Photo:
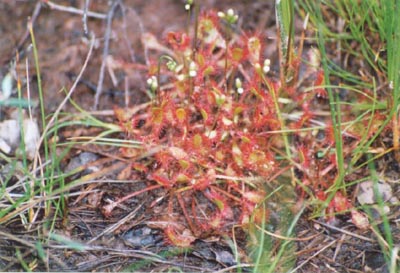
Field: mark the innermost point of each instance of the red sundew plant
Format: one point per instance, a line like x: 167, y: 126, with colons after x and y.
x: 205, y: 135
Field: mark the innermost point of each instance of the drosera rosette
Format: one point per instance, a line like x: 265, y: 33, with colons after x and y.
x: 204, y: 133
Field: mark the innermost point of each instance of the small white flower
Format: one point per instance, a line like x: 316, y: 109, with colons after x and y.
x: 221, y: 14
x: 192, y: 73
x: 180, y: 77
x: 266, y: 67
x: 212, y: 134
x: 152, y: 83
x: 230, y: 12
x: 238, y: 84
x: 188, y: 4
x: 192, y: 69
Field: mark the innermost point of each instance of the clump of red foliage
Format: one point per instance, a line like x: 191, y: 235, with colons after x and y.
x: 205, y: 133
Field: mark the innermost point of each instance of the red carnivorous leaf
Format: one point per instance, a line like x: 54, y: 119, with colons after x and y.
x: 179, y: 41
x: 161, y: 179
x: 340, y: 203
x: 179, y: 238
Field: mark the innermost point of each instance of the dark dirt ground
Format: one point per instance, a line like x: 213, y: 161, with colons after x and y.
x: 129, y: 236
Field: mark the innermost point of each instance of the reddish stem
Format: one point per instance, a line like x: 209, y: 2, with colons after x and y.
x: 190, y: 223
x: 133, y: 194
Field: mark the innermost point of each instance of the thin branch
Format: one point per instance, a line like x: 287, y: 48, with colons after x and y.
x: 125, y: 28
x: 107, y: 35
x: 84, y: 18
x: 313, y: 256
x: 34, y: 16
x: 75, y: 10
x: 115, y: 226
x: 281, y: 237
x: 344, y: 231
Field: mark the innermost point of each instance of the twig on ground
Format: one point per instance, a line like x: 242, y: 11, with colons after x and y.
x: 344, y: 231
x: 75, y: 10
x: 116, y: 225
x: 285, y: 237
x: 84, y: 18
x: 312, y: 257
x: 125, y: 27
x: 339, y: 246
x: 229, y: 269
x: 35, y: 14
x: 146, y: 256
x: 107, y: 35
x: 14, y: 238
